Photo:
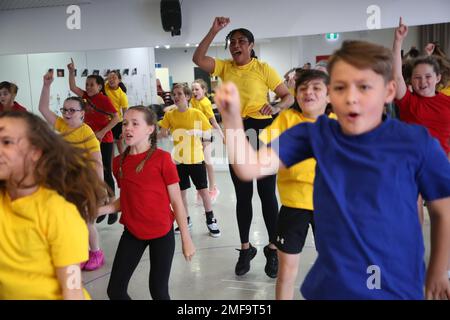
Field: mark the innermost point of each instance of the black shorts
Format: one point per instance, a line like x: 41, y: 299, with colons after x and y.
x: 117, y: 131
x: 292, y: 229
x: 196, y: 171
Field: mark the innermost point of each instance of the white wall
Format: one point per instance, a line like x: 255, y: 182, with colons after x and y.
x: 317, y: 45
x: 27, y: 72
x: 107, y: 24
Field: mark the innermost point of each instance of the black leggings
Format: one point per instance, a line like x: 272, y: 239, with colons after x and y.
x: 107, y: 153
x: 265, y: 186
x: 128, y: 255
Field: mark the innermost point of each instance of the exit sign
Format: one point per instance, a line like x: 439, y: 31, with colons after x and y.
x: 332, y: 36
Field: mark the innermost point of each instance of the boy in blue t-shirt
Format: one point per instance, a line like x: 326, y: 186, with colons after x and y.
x: 369, y: 173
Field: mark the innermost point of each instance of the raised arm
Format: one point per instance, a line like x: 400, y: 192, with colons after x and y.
x: 181, y: 218
x: 44, y: 101
x: 437, y: 284
x: 72, y: 83
x: 400, y: 34
x: 247, y: 163
x: 200, y: 58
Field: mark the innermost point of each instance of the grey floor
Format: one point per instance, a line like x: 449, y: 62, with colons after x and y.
x: 210, y: 275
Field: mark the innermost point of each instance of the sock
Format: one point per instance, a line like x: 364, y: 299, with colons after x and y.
x: 209, y: 217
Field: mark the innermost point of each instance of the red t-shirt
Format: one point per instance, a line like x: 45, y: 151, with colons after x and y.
x: 97, y: 118
x: 431, y: 112
x: 15, y: 107
x: 144, y: 199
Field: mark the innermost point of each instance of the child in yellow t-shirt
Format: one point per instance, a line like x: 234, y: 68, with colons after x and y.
x: 187, y: 125
x: 295, y: 185
x: 120, y: 101
x: 75, y: 131
x: 46, y: 190
x: 201, y: 102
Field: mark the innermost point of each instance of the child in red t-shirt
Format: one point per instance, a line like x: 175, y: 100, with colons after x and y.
x: 149, y: 189
x: 101, y: 116
x: 424, y: 106
x: 8, y: 92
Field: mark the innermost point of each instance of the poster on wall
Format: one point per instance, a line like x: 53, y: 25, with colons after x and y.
x: 84, y: 73
x: 125, y: 72
x: 134, y: 72
x: 96, y: 72
x: 320, y: 58
x: 60, y: 73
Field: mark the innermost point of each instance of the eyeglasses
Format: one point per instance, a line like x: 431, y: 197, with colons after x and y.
x: 69, y: 111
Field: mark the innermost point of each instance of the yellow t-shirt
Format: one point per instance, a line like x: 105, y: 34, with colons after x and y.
x: 204, y: 105
x: 254, y: 80
x: 445, y: 91
x: 38, y: 233
x: 81, y: 137
x: 188, y: 148
x: 119, y: 99
x: 295, y: 185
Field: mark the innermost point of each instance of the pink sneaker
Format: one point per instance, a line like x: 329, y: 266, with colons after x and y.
x: 214, y: 194
x: 83, y: 264
x: 96, y: 260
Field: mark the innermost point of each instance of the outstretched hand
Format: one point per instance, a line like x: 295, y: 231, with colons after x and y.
x: 401, y: 31
x: 220, y: 23
x: 48, y: 78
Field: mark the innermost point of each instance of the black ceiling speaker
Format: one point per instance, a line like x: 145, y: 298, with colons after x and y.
x: 171, y: 16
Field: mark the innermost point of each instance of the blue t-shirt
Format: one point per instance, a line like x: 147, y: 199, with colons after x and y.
x: 365, y: 206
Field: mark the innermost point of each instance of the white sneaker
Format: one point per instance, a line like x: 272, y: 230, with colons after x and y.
x: 213, y: 228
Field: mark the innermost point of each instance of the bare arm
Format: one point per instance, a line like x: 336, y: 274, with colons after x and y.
x: 44, y: 101
x: 101, y: 133
x: 181, y: 218
x: 286, y: 101
x: 216, y: 126
x: 163, y: 133
x: 200, y: 58
x: 97, y: 157
x: 72, y: 83
x: 400, y: 34
x: 247, y: 163
x: 69, y: 279
x: 437, y: 284
x: 109, y: 208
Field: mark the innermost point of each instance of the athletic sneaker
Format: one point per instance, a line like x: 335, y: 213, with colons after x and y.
x: 96, y: 260
x: 214, y: 194
x: 177, y: 229
x: 245, y: 256
x: 82, y: 265
x: 271, y: 267
x: 213, y: 228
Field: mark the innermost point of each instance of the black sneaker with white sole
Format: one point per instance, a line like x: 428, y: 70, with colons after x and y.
x: 213, y: 228
x: 177, y: 229
x: 245, y: 256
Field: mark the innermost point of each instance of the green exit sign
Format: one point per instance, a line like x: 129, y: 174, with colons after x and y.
x: 332, y: 36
